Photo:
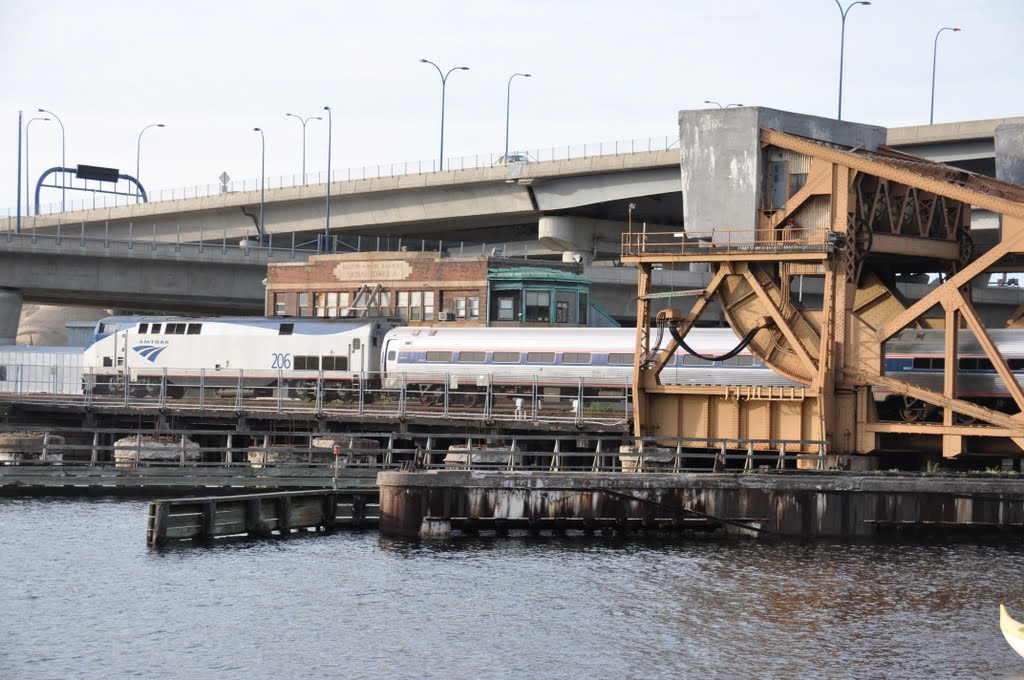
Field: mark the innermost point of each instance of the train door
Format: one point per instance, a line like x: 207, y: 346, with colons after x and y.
x: 356, y: 356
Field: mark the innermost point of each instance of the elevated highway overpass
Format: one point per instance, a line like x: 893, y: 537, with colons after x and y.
x: 574, y: 207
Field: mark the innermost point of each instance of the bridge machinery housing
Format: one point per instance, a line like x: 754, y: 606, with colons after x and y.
x: 775, y: 202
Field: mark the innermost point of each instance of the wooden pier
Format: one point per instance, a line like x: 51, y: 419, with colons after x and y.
x: 259, y: 515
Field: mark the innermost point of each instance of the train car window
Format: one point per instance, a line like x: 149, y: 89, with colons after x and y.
x: 391, y: 355
x: 620, y: 359
x: 975, y: 365
x: 506, y: 357
x: 1016, y: 364
x: 576, y: 358
x: 305, y: 363
x: 286, y: 329
x: 155, y: 328
x: 334, y: 363
x: 928, y: 363
x: 175, y: 329
x: 194, y: 329
x: 107, y: 362
x: 540, y: 357
x: 472, y: 357
x: 445, y: 357
x: 143, y: 328
x: 690, y: 360
x: 3, y: 373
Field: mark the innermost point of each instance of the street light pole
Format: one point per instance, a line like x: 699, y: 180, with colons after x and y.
x: 327, y: 224
x: 709, y: 101
x: 263, y: 176
x: 138, y: 156
x: 304, y: 121
x: 444, y: 81
x: 935, y: 51
x: 508, y: 98
x: 63, y: 162
x: 28, y: 177
x: 842, y: 46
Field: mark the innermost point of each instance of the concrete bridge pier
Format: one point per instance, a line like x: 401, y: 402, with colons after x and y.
x: 580, y: 239
x: 10, y: 314
x: 1009, y: 142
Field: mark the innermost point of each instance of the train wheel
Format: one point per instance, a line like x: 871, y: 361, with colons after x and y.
x: 912, y: 411
x: 471, y: 399
x: 429, y: 395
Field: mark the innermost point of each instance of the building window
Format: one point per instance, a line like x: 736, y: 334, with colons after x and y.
x: 319, y: 304
x: 279, y: 304
x: 428, y: 305
x: 564, y: 307
x: 583, y: 310
x: 506, y: 309
x: 303, y: 304
x: 538, y: 305
x: 466, y: 308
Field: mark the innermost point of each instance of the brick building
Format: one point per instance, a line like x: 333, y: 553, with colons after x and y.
x: 430, y: 288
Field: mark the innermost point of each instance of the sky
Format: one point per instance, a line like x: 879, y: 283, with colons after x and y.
x: 601, y: 71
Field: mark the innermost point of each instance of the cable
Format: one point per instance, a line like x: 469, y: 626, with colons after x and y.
x: 722, y: 357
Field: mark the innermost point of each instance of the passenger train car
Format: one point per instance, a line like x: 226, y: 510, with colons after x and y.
x: 225, y: 351
x: 559, y: 360
x: 918, y: 357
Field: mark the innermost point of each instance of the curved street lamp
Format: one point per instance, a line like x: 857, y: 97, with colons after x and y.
x: 508, y: 97
x: 842, y: 45
x: 709, y: 101
x: 138, y: 155
x: 303, y: 121
x: 28, y: 177
x: 935, y: 51
x: 263, y: 176
x: 444, y: 81
x: 63, y: 162
x: 327, y: 224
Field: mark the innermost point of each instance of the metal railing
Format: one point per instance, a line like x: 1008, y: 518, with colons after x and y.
x: 335, y: 452
x: 509, y: 397
x: 377, y: 171
x: 729, y: 241
x: 148, y: 240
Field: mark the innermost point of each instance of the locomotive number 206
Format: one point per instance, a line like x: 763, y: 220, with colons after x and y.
x: 280, y: 360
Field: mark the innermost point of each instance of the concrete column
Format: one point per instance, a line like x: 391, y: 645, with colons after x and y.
x: 724, y: 169
x: 580, y: 237
x: 10, y: 313
x: 1009, y: 141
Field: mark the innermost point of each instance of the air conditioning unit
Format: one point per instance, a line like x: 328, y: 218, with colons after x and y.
x: 446, y: 316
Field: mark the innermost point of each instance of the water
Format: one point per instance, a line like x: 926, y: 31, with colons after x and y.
x: 82, y: 597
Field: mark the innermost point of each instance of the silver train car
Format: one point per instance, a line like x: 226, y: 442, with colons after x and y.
x: 558, y: 360
x: 918, y: 357
x: 147, y: 352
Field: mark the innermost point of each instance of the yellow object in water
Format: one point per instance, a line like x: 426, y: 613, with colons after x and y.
x: 1013, y: 630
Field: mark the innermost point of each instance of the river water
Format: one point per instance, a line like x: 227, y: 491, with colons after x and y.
x: 83, y: 597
